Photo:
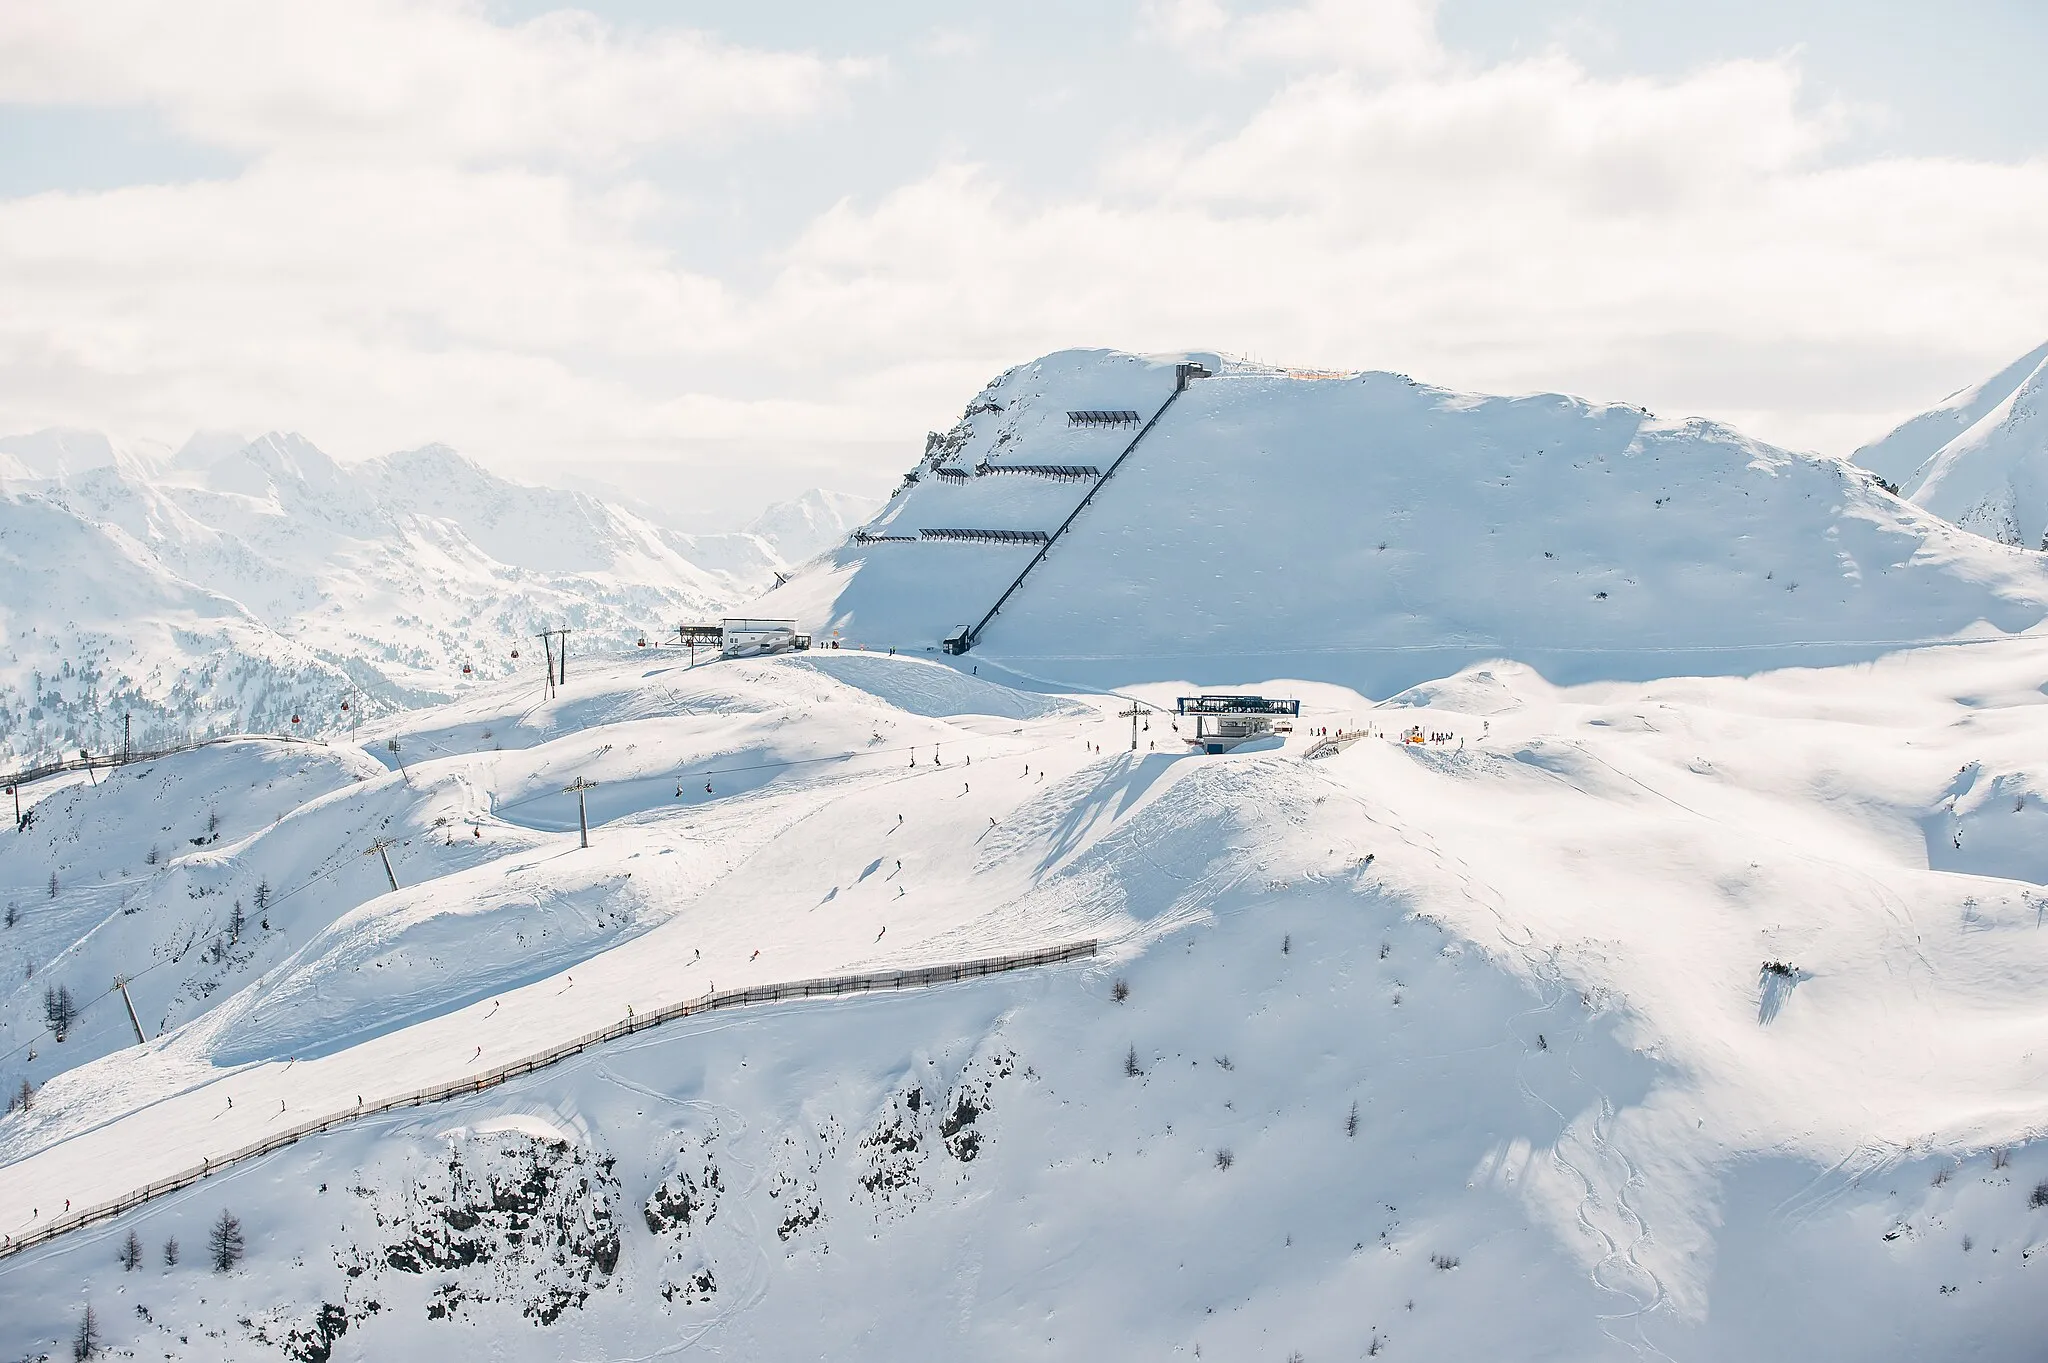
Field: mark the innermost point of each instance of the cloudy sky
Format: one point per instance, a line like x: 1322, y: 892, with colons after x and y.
x: 717, y: 253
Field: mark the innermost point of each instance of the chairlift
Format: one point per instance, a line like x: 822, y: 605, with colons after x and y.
x: 344, y: 706
x: 643, y: 641
x: 515, y: 654
x: 295, y: 719
x: 465, y: 669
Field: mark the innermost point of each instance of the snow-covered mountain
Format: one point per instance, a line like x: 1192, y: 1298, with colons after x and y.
x: 1374, y: 531
x: 1675, y: 999
x: 238, y: 583
x: 63, y: 453
x: 812, y: 523
x: 1980, y: 458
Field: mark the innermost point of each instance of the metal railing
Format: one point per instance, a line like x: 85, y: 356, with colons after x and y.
x: 916, y: 977
x: 1329, y: 745
x: 109, y: 760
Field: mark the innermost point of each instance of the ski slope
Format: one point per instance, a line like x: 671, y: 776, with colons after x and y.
x: 1677, y: 1000
x: 1543, y: 991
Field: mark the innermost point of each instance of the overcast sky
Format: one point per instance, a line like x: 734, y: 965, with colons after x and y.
x: 728, y: 251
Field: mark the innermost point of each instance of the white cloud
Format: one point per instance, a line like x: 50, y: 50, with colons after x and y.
x: 1686, y: 243
x: 1363, y: 35
x: 400, y: 79
x: 1698, y: 244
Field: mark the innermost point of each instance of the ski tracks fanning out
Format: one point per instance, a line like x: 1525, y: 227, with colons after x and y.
x: 1603, y: 1177
x: 738, y: 1204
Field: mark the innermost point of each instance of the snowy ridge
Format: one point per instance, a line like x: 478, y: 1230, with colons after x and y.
x: 1985, y: 460
x: 1901, y: 455
x: 1376, y: 532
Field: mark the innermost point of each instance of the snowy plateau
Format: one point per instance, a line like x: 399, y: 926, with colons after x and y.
x: 1676, y: 996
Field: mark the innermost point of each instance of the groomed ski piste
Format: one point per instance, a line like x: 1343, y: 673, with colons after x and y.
x: 1637, y: 1014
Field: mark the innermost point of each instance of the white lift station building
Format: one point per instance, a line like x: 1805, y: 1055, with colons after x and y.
x: 1223, y: 722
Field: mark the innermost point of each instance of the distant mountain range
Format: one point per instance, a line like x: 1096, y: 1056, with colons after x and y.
x: 236, y: 584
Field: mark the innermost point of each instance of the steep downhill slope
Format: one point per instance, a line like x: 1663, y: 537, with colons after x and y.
x: 1991, y: 476
x: 1374, y: 531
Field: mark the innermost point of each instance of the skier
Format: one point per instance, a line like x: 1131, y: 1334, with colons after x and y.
x: 756, y: 956
x: 707, y: 787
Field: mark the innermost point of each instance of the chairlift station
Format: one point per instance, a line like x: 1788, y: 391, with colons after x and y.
x: 1224, y: 722
x: 739, y: 638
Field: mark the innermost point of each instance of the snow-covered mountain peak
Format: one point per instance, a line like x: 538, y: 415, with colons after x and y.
x: 60, y: 453
x: 811, y: 522
x: 281, y: 467
x: 441, y: 469
x: 1898, y: 458
x: 1983, y: 456
x: 1374, y: 531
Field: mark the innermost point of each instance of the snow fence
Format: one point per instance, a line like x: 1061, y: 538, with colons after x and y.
x: 916, y: 977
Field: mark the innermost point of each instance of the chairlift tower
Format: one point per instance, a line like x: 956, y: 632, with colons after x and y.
x: 1139, y: 710
x: 581, y: 790
x: 557, y: 672
x: 377, y: 849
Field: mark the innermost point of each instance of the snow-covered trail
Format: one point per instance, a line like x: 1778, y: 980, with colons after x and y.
x: 863, y: 865
x: 1530, y: 954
